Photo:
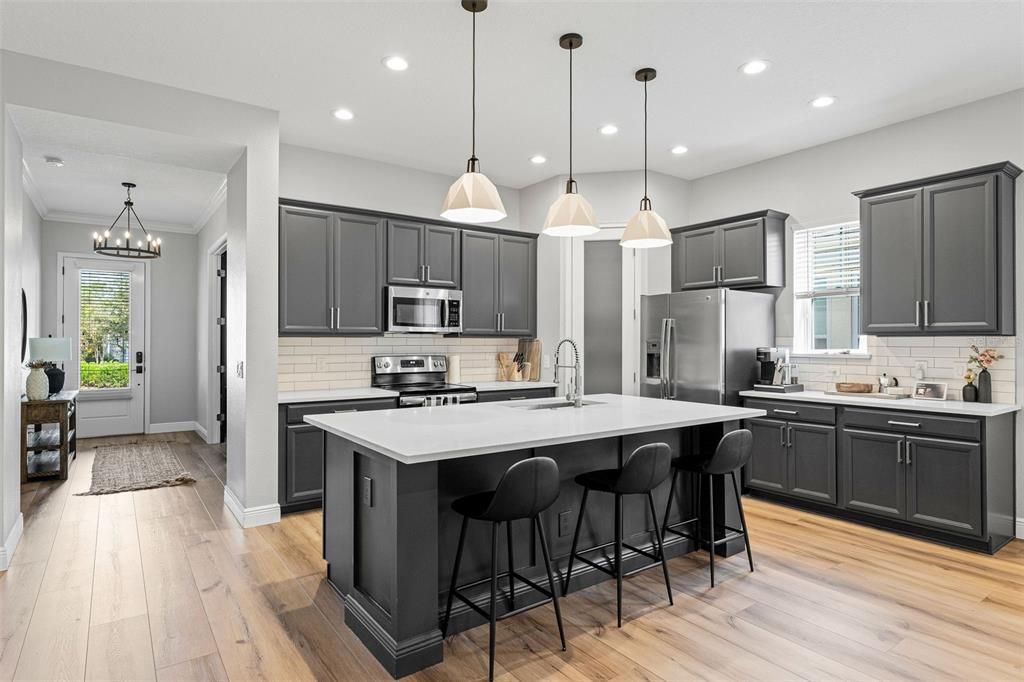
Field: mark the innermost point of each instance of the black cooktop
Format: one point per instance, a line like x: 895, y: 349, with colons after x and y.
x: 429, y: 388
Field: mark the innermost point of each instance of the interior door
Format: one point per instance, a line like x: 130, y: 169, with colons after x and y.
x: 105, y: 317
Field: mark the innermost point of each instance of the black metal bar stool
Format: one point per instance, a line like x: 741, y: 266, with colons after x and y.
x: 647, y: 467
x: 526, y: 489
x: 731, y: 455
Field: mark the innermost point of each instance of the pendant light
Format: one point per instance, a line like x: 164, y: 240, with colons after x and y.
x: 146, y: 247
x: 571, y: 215
x: 473, y: 198
x: 646, y: 229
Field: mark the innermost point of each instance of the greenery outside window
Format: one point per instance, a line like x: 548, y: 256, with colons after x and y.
x: 104, y: 315
x: 826, y: 290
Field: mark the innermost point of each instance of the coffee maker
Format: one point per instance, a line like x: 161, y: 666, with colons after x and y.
x: 775, y: 371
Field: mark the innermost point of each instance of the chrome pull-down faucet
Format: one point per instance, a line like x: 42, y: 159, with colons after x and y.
x: 574, y: 393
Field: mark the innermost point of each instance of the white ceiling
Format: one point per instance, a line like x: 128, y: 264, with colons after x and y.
x: 885, y: 61
x: 180, y: 180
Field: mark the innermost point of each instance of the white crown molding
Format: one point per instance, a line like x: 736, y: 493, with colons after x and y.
x: 104, y: 221
x: 215, y: 201
x: 32, y: 190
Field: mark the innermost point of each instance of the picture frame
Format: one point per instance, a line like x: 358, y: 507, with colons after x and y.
x: 930, y: 390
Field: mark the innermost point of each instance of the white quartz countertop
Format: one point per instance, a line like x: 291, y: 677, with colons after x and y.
x: 911, y: 404
x: 333, y: 394
x: 484, y: 386
x: 428, y: 434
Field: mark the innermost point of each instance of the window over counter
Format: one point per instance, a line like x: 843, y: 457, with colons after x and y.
x: 826, y: 290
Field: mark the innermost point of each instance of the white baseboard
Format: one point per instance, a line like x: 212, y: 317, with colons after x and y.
x: 250, y: 517
x: 11, y: 543
x: 1019, y: 528
x: 172, y: 427
x: 198, y: 428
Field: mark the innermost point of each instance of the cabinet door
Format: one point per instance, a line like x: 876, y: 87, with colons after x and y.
x: 517, y: 286
x: 441, y: 250
x: 741, y: 254
x: 874, y: 476
x: 695, y: 259
x: 944, y: 484
x: 306, y: 271
x: 961, y: 268
x: 405, y: 253
x: 304, y: 463
x: 812, y: 462
x: 479, y: 283
x: 769, y: 468
x: 890, y: 263
x: 359, y: 274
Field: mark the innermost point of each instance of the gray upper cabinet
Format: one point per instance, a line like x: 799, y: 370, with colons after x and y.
x: 358, y: 275
x: 331, y: 273
x: 745, y: 251
x: 423, y: 255
x: 499, y: 281
x: 937, y: 254
x: 306, y: 271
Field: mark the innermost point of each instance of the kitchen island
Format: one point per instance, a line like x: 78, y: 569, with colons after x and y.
x: 390, y: 477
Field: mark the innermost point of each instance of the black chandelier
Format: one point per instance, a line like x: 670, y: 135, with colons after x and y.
x: 122, y: 247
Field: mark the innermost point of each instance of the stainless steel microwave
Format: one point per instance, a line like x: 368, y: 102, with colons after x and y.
x: 423, y: 310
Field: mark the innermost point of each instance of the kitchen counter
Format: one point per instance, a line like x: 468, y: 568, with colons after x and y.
x: 332, y: 394
x: 390, y: 476
x: 435, y: 433
x: 957, y: 407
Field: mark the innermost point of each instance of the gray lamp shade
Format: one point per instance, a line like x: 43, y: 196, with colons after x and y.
x: 50, y: 349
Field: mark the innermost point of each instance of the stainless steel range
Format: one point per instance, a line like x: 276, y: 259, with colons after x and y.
x: 419, y: 380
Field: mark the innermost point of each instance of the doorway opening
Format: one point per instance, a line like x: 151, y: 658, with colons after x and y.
x: 222, y: 343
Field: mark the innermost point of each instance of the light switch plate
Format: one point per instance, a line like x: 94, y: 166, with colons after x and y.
x: 564, y: 523
x: 367, y: 493
x: 547, y: 361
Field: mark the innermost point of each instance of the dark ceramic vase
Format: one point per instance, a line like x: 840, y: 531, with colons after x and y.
x: 984, y: 386
x: 970, y: 393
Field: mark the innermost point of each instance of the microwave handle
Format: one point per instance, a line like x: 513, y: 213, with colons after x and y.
x: 444, y: 312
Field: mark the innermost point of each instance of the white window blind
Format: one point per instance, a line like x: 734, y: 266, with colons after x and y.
x: 826, y: 261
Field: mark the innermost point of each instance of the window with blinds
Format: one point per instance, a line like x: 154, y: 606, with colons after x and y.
x: 104, y: 312
x: 826, y: 289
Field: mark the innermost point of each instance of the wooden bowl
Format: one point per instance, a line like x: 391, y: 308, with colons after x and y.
x: 850, y: 387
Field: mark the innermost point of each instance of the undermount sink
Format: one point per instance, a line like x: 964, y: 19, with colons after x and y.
x: 556, y: 404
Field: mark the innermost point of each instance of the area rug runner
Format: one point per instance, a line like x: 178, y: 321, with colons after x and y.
x: 135, y: 466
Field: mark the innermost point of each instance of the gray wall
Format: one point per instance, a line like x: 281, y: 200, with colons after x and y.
x: 206, y: 389
x: 31, y: 274
x: 172, y: 361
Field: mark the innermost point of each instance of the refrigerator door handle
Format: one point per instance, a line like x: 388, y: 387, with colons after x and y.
x: 670, y: 346
x: 663, y: 374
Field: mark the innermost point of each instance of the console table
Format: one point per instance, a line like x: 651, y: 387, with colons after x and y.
x: 48, y: 441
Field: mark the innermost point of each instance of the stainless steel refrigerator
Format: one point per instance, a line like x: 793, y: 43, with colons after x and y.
x: 699, y: 345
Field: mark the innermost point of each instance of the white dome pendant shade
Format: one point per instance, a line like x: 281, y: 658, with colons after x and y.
x: 571, y: 215
x: 473, y: 198
x: 646, y: 229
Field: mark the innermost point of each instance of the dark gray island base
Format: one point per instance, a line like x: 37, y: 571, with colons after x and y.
x: 390, y: 534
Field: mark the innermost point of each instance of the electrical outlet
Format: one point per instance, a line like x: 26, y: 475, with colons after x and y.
x: 564, y: 523
x: 920, y: 369
x: 547, y: 361
x: 322, y: 365
x: 367, y: 491
x: 834, y: 372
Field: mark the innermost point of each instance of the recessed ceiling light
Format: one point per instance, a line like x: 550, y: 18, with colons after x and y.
x: 396, y: 63
x: 343, y: 114
x: 609, y: 129
x: 679, y: 149
x: 538, y: 159
x: 823, y: 101
x: 754, y: 67
x: 54, y: 161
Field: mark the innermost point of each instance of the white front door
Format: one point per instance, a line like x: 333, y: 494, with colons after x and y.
x: 105, y: 318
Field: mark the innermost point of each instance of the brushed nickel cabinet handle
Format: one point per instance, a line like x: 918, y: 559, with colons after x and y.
x: 917, y: 313
x: 777, y: 411
x: 896, y: 423
x: 782, y: 435
x: 926, y: 322
x: 910, y: 449
x: 899, y: 452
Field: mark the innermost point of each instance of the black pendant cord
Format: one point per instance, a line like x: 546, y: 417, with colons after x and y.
x: 571, y: 181
x: 646, y: 200
x: 473, y: 152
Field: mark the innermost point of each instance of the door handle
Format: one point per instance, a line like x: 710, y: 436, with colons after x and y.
x: 423, y: 273
x: 782, y: 435
x: 428, y: 274
x: 663, y: 370
x: 671, y: 358
x: 899, y: 452
x: 926, y: 322
x: 917, y: 313
x: 910, y: 450
x: 896, y: 423
x: 790, y: 430
x: 444, y: 313
x: 784, y: 411
x: 332, y: 317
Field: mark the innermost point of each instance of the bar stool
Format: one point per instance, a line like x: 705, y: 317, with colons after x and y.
x: 645, y: 469
x: 731, y: 455
x: 526, y: 489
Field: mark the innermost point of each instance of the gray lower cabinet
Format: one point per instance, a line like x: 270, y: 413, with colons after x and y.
x: 944, y: 484
x: 421, y: 254
x: 331, y: 273
x: 874, y: 477
x: 794, y: 459
x: 499, y: 284
x: 937, y: 254
x: 745, y: 251
x: 515, y: 394
x: 301, y: 449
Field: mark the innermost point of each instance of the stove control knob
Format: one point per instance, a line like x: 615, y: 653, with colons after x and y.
x: 387, y: 364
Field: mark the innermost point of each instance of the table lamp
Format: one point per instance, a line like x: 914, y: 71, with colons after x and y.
x: 51, y: 350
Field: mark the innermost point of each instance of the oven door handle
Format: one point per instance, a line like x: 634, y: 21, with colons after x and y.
x: 413, y: 402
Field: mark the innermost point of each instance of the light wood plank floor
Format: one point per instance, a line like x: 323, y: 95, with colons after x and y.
x: 163, y: 584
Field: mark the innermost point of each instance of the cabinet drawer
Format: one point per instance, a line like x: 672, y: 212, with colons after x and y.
x: 793, y: 411
x: 295, y: 413
x: 522, y: 394
x: 912, y: 423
